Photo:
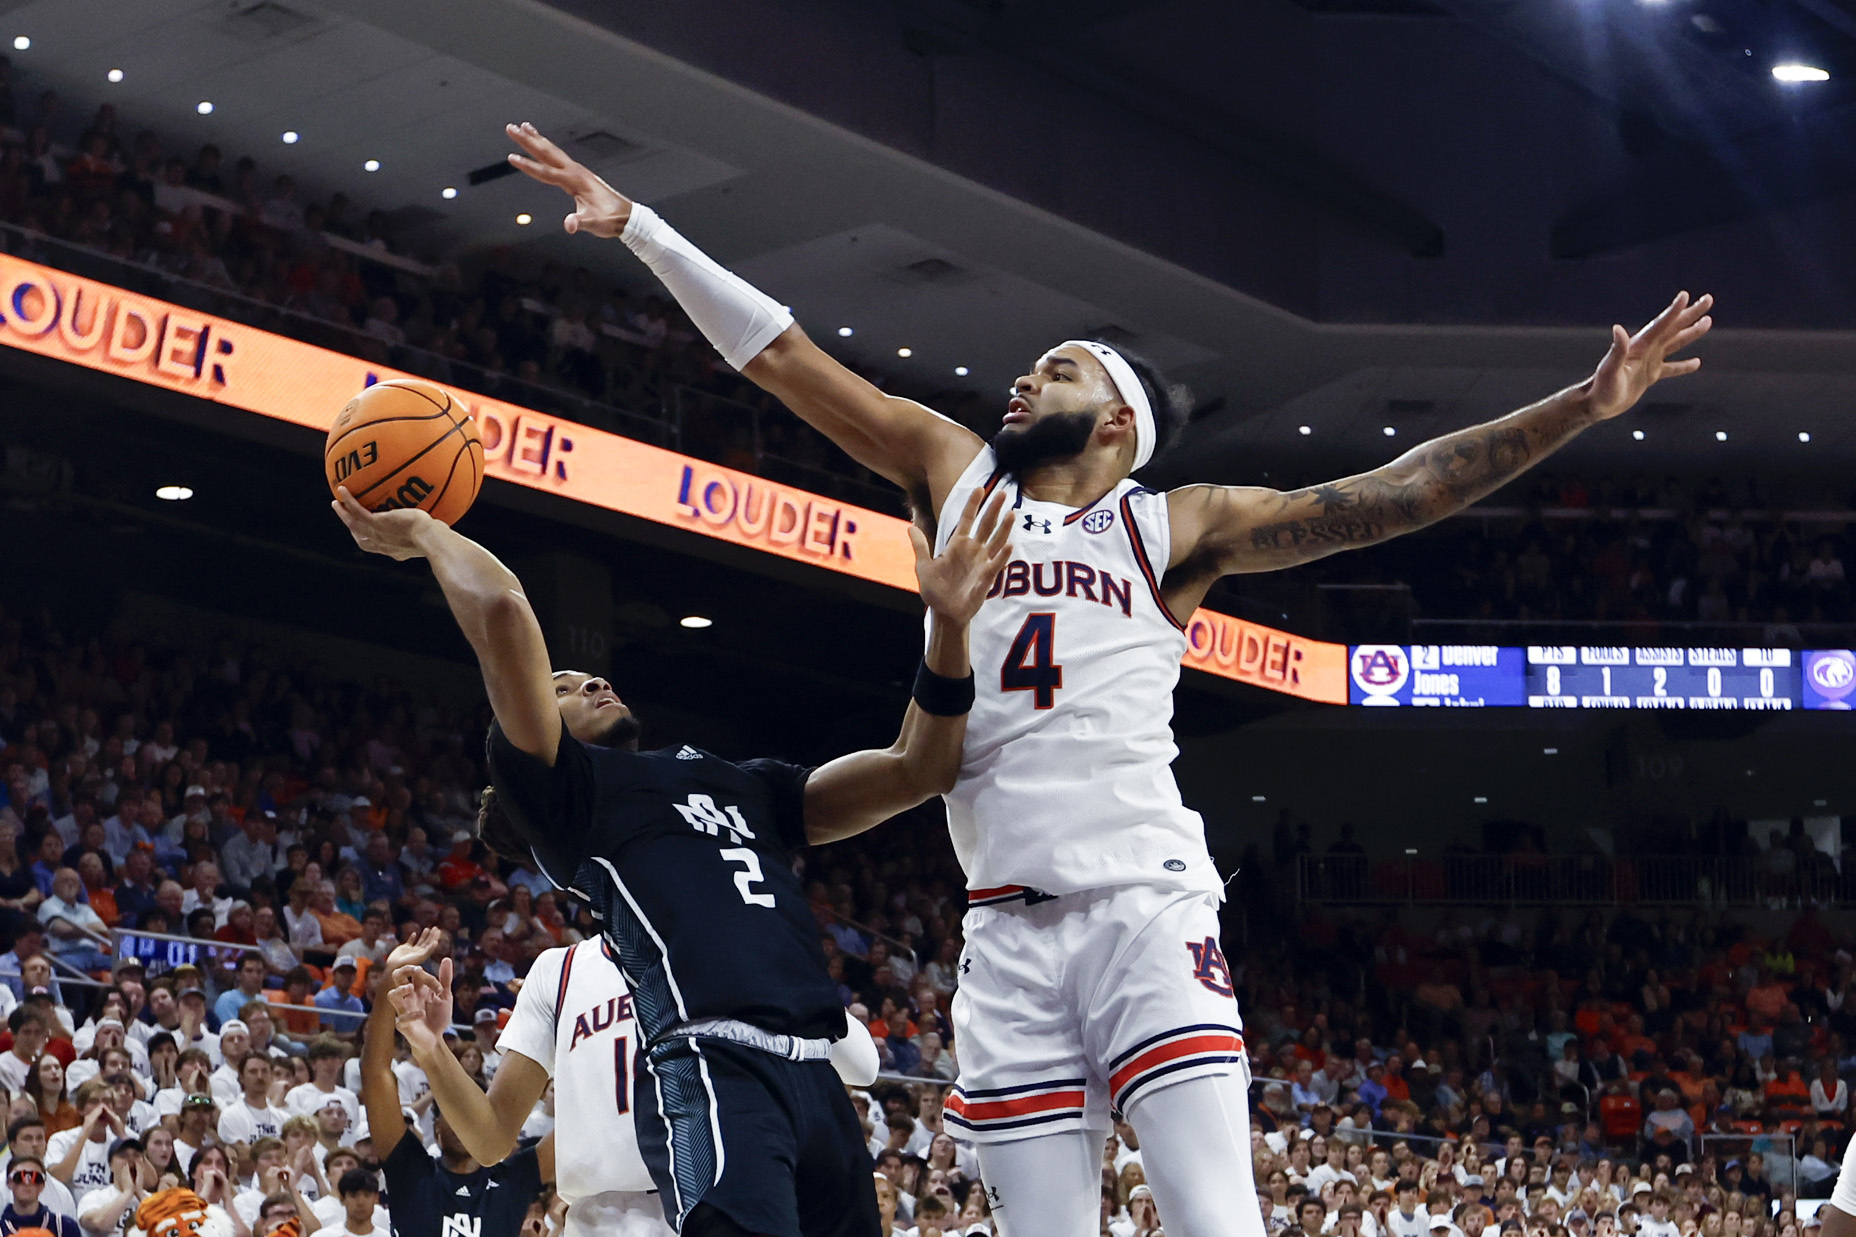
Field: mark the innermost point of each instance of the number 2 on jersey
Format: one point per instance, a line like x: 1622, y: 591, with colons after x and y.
x: 744, y: 881
x: 1030, y: 664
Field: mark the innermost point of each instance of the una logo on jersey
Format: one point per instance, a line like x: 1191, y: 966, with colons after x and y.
x: 704, y: 816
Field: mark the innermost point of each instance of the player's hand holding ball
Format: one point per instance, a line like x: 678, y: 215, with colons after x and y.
x: 955, y: 582
x: 394, y: 533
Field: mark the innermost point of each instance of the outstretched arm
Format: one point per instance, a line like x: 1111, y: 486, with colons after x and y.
x: 488, y: 602
x: 1219, y: 530
x: 862, y: 790
x: 487, y: 1123
x: 380, y: 1089
x: 913, y: 446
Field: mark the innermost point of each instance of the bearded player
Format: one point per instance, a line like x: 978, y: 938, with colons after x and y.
x: 1092, y: 979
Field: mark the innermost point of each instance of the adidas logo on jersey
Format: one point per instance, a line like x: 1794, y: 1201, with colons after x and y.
x: 686, y: 752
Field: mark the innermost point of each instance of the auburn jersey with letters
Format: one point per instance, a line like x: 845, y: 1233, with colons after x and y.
x: 1066, y: 781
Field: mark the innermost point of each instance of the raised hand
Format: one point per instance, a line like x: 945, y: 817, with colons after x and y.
x: 954, y: 582
x: 421, y: 1005
x: 598, y: 207
x: 416, y: 952
x: 1638, y: 362
x: 393, y: 533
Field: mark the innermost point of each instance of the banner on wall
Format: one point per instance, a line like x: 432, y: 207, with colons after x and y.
x: 111, y: 330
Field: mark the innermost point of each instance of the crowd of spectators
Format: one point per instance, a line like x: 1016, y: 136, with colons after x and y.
x: 1567, y: 1076
x: 1627, y: 553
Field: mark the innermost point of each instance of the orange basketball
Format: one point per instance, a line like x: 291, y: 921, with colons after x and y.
x: 406, y: 443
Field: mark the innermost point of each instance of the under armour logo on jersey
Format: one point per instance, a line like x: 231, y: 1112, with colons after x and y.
x: 992, y: 1195
x: 1036, y: 523
x: 966, y: 966
x: 686, y: 752
x: 1209, y: 966
x: 704, y: 816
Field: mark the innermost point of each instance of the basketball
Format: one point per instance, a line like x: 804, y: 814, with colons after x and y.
x: 406, y: 443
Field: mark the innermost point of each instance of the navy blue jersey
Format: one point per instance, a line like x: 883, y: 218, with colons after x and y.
x: 686, y: 860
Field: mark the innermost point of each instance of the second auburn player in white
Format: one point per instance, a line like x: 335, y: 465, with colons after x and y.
x: 572, y: 1023
x: 1092, y: 976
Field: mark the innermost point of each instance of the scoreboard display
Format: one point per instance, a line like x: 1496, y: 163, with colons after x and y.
x: 1565, y: 677
x: 1581, y: 677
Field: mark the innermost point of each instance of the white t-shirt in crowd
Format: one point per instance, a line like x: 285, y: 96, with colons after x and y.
x: 1401, y: 1225
x: 334, y: 1216
x: 103, y: 1198
x: 306, y: 1099
x: 1650, y: 1226
x: 93, y: 1168
x: 241, y: 1123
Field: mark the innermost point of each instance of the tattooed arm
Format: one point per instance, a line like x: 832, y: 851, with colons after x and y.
x: 1219, y: 530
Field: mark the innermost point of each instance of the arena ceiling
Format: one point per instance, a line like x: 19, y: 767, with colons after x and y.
x: 1344, y: 214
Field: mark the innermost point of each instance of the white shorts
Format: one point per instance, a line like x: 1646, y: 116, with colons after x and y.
x: 1071, y: 1007
x: 616, y: 1214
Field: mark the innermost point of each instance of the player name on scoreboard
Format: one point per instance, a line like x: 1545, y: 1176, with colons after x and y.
x: 1568, y: 677
x: 1578, y: 677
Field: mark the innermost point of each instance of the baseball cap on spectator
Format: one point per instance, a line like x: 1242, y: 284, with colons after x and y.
x: 462, y: 835
x: 1441, y: 1220
x: 485, y: 1014
x: 1578, y: 1216
x: 193, y: 791
x: 111, y: 1021
x: 231, y: 1025
x: 1641, y: 1187
x: 1473, y: 1179
x: 124, y: 1144
x: 1684, y: 1168
x: 185, y: 990
x: 1140, y: 1191
x: 343, y: 963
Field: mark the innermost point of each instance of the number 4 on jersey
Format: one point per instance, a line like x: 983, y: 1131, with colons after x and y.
x: 1031, y: 662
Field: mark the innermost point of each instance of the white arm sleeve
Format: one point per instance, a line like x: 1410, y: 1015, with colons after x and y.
x: 731, y: 313
x: 1843, y: 1198
x: 532, y: 1025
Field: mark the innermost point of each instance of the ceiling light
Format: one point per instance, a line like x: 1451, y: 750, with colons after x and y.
x: 1799, y: 73
x: 1304, y: 430
x: 1720, y: 435
x: 174, y: 493
x: 448, y: 192
x: 291, y: 137
x: 905, y: 352
x: 1820, y: 803
x: 372, y: 165
x: 115, y: 75
x: 1259, y: 799
x: 695, y: 622
x: 1482, y: 799
x: 1637, y: 434
x: 960, y: 371
x: 845, y: 332
x: 1549, y: 751
x: 1411, y: 850
x: 1804, y: 436
x: 21, y: 43
x: 1389, y: 432
x: 204, y: 107
x: 524, y: 219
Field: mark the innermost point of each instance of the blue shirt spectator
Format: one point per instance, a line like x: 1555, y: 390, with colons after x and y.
x: 338, y: 997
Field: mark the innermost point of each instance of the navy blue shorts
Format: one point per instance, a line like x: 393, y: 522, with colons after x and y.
x: 773, y: 1144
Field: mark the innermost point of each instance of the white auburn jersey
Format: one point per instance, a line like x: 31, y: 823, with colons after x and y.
x: 573, y: 1017
x: 1066, y: 782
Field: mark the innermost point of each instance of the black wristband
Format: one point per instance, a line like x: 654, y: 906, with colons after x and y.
x: 942, y: 696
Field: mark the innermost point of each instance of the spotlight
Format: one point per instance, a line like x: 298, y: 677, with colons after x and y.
x: 1304, y: 430
x: 1637, y: 434
x: 1259, y: 799
x: 372, y: 165
x: 174, y: 493
x: 695, y: 622
x: 448, y: 192
x: 1804, y: 436
x: 524, y: 219
x: 1481, y: 799
x: 960, y: 371
x: 204, y: 107
x: 845, y: 332
x: 1720, y: 435
x: 114, y: 75
x: 1799, y: 73
x: 1549, y: 751
x: 905, y: 352
x: 21, y: 43
x: 1390, y: 432
x: 291, y: 137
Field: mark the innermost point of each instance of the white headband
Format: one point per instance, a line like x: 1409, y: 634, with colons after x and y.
x: 1128, y: 386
